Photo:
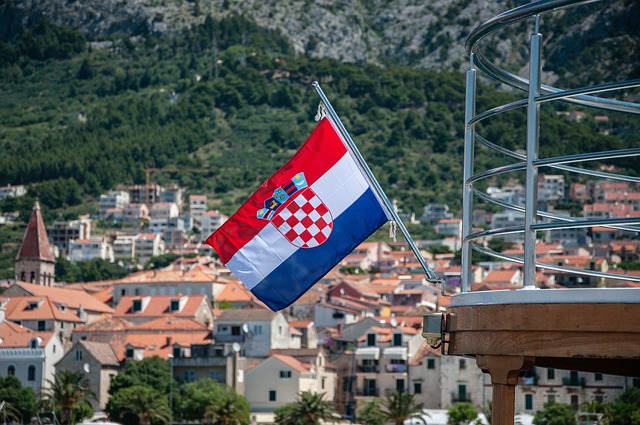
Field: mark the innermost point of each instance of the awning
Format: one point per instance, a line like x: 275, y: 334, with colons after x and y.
x: 395, y: 353
x: 368, y: 353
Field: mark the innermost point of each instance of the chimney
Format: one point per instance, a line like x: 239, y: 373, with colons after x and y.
x: 168, y: 341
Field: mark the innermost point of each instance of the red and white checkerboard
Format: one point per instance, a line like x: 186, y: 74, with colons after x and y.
x: 305, y: 220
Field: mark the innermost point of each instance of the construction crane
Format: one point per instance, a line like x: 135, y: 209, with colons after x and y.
x: 148, y: 172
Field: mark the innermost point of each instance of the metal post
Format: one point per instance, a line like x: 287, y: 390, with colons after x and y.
x: 170, y: 389
x: 352, y: 381
x: 531, y: 181
x: 351, y: 146
x: 467, y: 193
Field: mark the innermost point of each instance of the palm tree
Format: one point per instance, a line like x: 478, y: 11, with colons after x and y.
x: 69, y: 391
x: 400, y: 406
x: 309, y: 408
x: 142, y: 401
x: 231, y: 409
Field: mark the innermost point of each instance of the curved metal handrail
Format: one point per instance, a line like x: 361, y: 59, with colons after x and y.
x: 538, y: 93
x: 548, y: 266
x: 528, y: 11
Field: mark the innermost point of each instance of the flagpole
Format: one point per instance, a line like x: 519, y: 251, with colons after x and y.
x: 431, y: 276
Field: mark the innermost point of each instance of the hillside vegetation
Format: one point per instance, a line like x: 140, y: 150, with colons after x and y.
x: 234, y: 100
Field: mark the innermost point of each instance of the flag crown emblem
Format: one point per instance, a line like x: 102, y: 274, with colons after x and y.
x: 280, y: 196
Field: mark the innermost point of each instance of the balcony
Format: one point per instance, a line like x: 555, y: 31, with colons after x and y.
x: 573, y: 382
x: 460, y: 398
x: 395, y: 368
x: 368, y: 392
x: 369, y: 368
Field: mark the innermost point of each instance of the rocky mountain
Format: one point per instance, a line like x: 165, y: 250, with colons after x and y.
x: 428, y: 34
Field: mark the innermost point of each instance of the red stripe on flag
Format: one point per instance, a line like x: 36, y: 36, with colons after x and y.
x: 317, y: 155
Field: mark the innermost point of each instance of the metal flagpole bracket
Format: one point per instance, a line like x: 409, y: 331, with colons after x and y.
x: 431, y: 276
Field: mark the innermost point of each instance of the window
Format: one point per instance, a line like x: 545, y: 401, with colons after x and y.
x: 463, y: 364
x: 371, y: 340
x: 136, y: 291
x: 129, y: 353
x: 34, y: 343
x: 575, y: 402
x: 417, y: 388
x: 257, y: 329
x: 235, y: 330
x: 322, y: 383
x: 528, y: 401
x: 551, y: 374
x: 397, y: 340
x: 175, y: 305
x: 599, y: 398
x: 123, y: 292
x: 11, y: 371
x: 272, y: 395
x: 431, y: 363
x: 598, y: 377
x: 551, y: 398
x: 31, y: 373
x: 285, y: 374
x: 41, y: 325
x: 136, y: 306
x: 400, y: 385
x: 78, y: 355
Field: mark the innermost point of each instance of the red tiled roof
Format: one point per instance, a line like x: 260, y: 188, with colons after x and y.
x: 35, y: 243
x: 234, y: 292
x: 159, y: 305
x: 197, y: 274
x: 71, y: 298
x: 38, y: 308
x: 17, y: 336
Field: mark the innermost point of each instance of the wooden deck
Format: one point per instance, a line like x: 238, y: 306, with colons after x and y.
x: 591, y: 330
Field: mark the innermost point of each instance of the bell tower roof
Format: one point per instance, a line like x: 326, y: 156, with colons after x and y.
x: 35, y: 244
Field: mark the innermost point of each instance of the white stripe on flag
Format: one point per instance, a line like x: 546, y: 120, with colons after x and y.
x: 338, y: 188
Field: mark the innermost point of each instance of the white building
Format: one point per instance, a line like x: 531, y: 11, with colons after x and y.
x: 29, y: 356
x: 210, y: 221
x: 124, y: 247
x: 197, y: 205
x: 62, y: 232
x: 256, y: 330
x: 280, y: 378
x: 148, y: 245
x: 12, y: 191
x: 113, y: 199
x: 89, y: 249
x: 508, y: 219
x: 160, y: 214
x: 550, y: 187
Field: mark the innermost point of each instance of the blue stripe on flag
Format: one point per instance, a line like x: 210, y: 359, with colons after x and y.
x: 287, y: 282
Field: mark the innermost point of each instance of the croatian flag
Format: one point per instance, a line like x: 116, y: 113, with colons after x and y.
x: 301, y: 222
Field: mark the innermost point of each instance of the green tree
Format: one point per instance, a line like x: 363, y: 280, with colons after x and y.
x: 462, y: 413
x: 230, y: 409
x: 309, y: 408
x: 70, y: 393
x: 624, y: 410
x: 399, y: 406
x: 196, y: 397
x: 152, y: 372
x: 139, y: 405
x: 370, y: 413
x: 19, y: 400
x: 555, y: 414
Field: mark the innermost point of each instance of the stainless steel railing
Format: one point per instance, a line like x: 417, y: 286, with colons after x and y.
x: 530, y: 161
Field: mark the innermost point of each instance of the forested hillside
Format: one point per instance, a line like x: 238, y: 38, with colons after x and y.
x: 231, y: 97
